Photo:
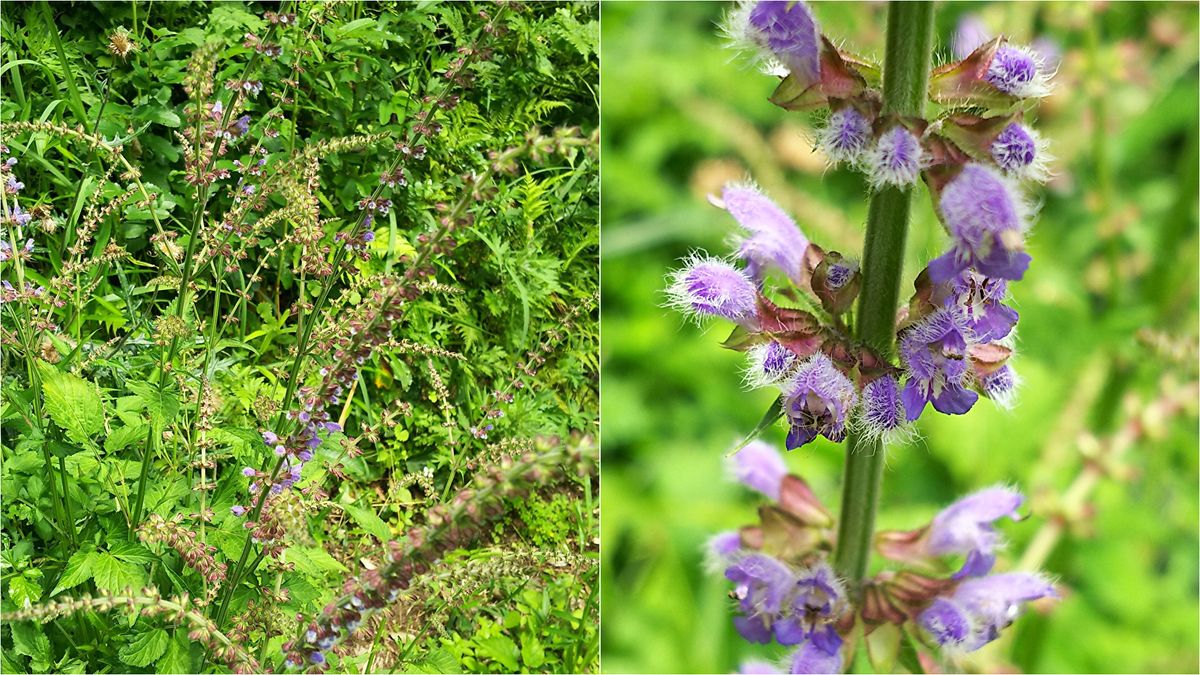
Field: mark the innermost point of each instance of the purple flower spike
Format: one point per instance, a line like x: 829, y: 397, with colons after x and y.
x: 759, y: 466
x: 986, y: 220
x: 816, y: 401
x: 811, y: 658
x: 787, y: 30
x: 846, y: 137
x: 713, y: 287
x: 965, y: 527
x: 1018, y: 72
x: 762, y: 584
x: 1020, y: 151
x: 882, y: 409
x: 896, y: 159
x: 769, y: 363
x: 773, y: 240
x: 980, y: 608
x: 933, y: 352
x: 980, y: 298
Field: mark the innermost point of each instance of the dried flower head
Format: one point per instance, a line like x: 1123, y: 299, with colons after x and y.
x: 121, y: 44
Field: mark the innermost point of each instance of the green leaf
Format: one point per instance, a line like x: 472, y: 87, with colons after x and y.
x: 131, y: 552
x: 161, y: 404
x: 73, y: 403
x: 113, y: 575
x: 77, y: 571
x: 123, y: 437
x: 23, y: 591
x: 178, y: 657
x: 502, y: 649
x: 29, y: 640
x: 770, y: 417
x: 313, y: 560
x: 146, y: 648
x: 370, y: 522
x: 532, y: 653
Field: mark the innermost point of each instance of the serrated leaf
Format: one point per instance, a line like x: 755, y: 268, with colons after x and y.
x: 178, y: 656
x: 29, y: 640
x: 370, y: 522
x: 501, y: 649
x: 113, y: 575
x: 73, y: 403
x: 23, y: 591
x: 124, y: 436
x: 132, y: 552
x: 532, y: 653
x: 313, y: 560
x: 161, y: 404
x: 146, y: 648
x: 77, y: 571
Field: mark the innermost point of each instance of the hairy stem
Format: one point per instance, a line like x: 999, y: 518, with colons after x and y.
x: 906, y: 73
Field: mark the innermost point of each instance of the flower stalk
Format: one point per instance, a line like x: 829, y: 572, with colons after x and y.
x: 906, y: 72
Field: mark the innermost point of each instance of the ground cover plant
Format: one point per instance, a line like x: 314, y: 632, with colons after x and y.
x: 1100, y: 436
x: 298, y: 340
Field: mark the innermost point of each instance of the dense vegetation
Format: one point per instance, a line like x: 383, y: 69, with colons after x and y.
x: 299, y: 348
x: 1103, y: 435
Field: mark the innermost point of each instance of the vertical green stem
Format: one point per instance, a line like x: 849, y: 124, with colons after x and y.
x: 905, y: 82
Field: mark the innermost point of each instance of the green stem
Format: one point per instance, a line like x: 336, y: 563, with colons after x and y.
x: 905, y: 82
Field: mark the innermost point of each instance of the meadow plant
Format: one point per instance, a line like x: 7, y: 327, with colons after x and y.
x: 823, y: 329
x: 214, y: 337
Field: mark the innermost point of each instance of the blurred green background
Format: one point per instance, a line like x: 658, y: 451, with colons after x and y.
x: 1107, y: 343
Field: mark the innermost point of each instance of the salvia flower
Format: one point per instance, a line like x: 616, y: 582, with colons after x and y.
x: 773, y: 240
x: 816, y: 401
x: 1018, y: 72
x: 882, y: 412
x: 933, y: 352
x: 815, y: 659
x: 785, y: 32
x: 769, y: 363
x: 986, y: 218
x: 12, y: 186
x: 966, y: 528
x: 978, y: 609
x: 759, y: 466
x: 846, y: 137
x: 980, y: 300
x: 1001, y: 385
x: 721, y: 550
x: 708, y: 286
x: 1020, y: 151
x: 896, y: 158
x: 817, y: 601
x: 762, y: 586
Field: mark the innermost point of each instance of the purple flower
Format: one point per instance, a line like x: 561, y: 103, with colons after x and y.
x: 773, y: 240
x: 811, y: 657
x: 713, y: 287
x: 1018, y: 72
x: 896, y: 159
x: 1001, y: 385
x: 721, y: 549
x: 12, y: 186
x: 270, y: 438
x: 979, y: 299
x: 818, y: 600
x: 238, y: 510
x: 755, y: 667
x: 368, y: 236
x: 242, y: 125
x: 986, y: 220
x: 934, y: 355
x: 846, y: 137
x: 762, y: 585
x: 882, y: 409
x: 18, y: 216
x: 787, y: 30
x: 759, y: 466
x: 816, y: 401
x: 249, y: 472
x: 769, y: 363
x: 5, y: 251
x: 317, y: 657
x: 1020, y: 151
x: 965, y: 527
x: 980, y: 608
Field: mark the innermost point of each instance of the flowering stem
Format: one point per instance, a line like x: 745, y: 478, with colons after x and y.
x: 905, y: 81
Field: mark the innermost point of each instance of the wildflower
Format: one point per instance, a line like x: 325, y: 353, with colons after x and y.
x: 978, y: 609
x: 969, y: 34
x: 249, y: 472
x: 242, y: 125
x: 933, y: 352
x: 818, y: 600
x: 760, y: 467
x: 965, y: 528
x: 769, y: 363
x: 846, y: 137
x: 721, y: 549
x: 986, y: 219
x: 816, y: 401
x: 18, y: 217
x: 120, y: 44
x: 882, y: 410
x: 811, y: 657
x: 763, y: 584
x: 979, y: 299
x: 713, y: 287
x: 12, y: 186
x: 773, y: 240
x: 785, y: 31
x: 1020, y: 151
x: 1018, y: 72
x: 896, y: 158
x: 280, y: 19
x: 754, y: 667
x: 5, y: 251
x: 238, y: 510
x: 1001, y: 385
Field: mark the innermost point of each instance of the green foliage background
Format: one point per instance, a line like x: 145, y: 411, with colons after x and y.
x: 1114, y: 251
x: 530, y: 256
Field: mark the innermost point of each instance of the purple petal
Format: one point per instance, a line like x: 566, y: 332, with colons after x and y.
x: 954, y: 399
x: 759, y: 466
x: 914, y: 399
